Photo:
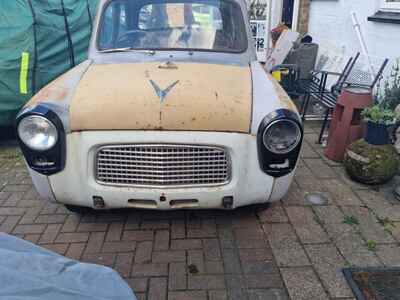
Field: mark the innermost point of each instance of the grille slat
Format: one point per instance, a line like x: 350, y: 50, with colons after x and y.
x: 177, y: 165
x: 106, y: 166
x: 162, y: 165
x: 199, y: 173
x: 165, y: 172
x: 161, y: 158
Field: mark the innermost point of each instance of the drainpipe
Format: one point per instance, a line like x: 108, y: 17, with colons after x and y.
x: 269, y: 28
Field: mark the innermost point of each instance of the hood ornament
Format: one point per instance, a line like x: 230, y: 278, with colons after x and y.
x: 163, y: 93
x: 169, y: 65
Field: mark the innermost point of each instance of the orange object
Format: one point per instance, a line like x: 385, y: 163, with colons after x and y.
x: 277, y: 31
x: 346, y: 125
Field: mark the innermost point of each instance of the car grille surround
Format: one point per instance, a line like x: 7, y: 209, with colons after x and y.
x: 162, y: 165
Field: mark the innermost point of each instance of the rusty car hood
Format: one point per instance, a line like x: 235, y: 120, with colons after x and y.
x: 160, y: 96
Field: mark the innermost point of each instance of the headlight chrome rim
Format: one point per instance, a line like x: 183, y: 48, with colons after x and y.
x: 45, y: 143
x: 293, y: 146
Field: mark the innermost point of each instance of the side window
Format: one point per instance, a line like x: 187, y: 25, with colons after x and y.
x: 106, y: 30
x: 114, y: 24
x: 122, y: 21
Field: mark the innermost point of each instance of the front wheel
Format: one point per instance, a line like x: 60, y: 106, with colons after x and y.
x: 81, y: 210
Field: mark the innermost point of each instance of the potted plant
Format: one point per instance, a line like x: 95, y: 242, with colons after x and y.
x: 378, y: 119
x: 373, y: 160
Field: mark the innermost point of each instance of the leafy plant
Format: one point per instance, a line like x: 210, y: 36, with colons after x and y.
x: 390, y: 97
x: 350, y: 220
x: 387, y: 224
x: 385, y: 221
x: 388, y: 229
x: 379, y: 114
x: 371, y: 245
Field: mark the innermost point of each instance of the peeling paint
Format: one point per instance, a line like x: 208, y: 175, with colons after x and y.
x: 60, y: 91
x: 131, y: 103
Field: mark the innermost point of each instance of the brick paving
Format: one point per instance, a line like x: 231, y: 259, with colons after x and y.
x: 293, y: 250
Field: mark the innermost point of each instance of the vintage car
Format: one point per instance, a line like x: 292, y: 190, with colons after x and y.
x: 171, y: 110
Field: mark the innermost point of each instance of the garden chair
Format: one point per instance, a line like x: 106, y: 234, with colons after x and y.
x: 316, y: 88
x: 364, y: 72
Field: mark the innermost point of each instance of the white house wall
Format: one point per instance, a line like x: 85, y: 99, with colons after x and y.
x: 331, y: 25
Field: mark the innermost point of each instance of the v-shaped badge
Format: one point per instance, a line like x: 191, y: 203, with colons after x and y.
x: 163, y: 93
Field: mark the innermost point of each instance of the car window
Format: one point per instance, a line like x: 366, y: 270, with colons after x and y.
x: 114, y: 20
x: 157, y: 25
x: 162, y: 16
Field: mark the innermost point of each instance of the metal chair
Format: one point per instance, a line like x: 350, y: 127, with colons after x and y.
x: 316, y: 88
x: 358, y: 72
x: 366, y: 73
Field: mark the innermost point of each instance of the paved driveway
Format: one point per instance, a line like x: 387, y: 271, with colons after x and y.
x: 292, y: 250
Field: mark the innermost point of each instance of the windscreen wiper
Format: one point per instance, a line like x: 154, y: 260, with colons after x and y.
x: 128, y: 49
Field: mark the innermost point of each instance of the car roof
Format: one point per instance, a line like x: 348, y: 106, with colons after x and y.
x: 242, y: 3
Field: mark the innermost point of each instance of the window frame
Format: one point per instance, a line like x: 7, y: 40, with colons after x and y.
x: 389, y: 6
x: 233, y: 2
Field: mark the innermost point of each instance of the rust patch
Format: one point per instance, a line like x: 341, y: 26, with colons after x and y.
x: 55, y: 93
x: 61, y: 88
x: 130, y: 102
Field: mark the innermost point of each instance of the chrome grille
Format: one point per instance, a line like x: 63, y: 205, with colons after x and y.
x: 162, y: 165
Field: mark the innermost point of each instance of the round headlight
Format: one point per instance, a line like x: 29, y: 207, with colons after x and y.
x: 282, y: 136
x: 37, y: 133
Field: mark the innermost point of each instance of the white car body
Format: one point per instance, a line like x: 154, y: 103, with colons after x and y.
x: 131, y: 114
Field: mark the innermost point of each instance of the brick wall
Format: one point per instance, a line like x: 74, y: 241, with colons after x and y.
x: 304, y: 16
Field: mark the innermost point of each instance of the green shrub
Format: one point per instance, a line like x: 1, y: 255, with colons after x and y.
x: 379, y: 114
x: 390, y: 97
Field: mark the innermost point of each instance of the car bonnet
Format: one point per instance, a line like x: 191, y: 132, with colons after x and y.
x: 163, y: 96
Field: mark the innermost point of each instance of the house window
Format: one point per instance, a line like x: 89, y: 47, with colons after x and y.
x: 390, y: 5
x: 389, y: 12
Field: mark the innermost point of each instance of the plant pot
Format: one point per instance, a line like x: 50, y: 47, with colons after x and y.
x: 371, y: 164
x: 377, y: 134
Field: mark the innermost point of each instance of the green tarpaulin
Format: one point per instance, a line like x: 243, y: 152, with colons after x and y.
x: 39, y: 40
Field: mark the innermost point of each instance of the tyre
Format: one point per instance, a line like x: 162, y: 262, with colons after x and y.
x: 81, y: 210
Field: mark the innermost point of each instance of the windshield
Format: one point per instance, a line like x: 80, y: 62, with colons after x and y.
x: 174, y: 25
